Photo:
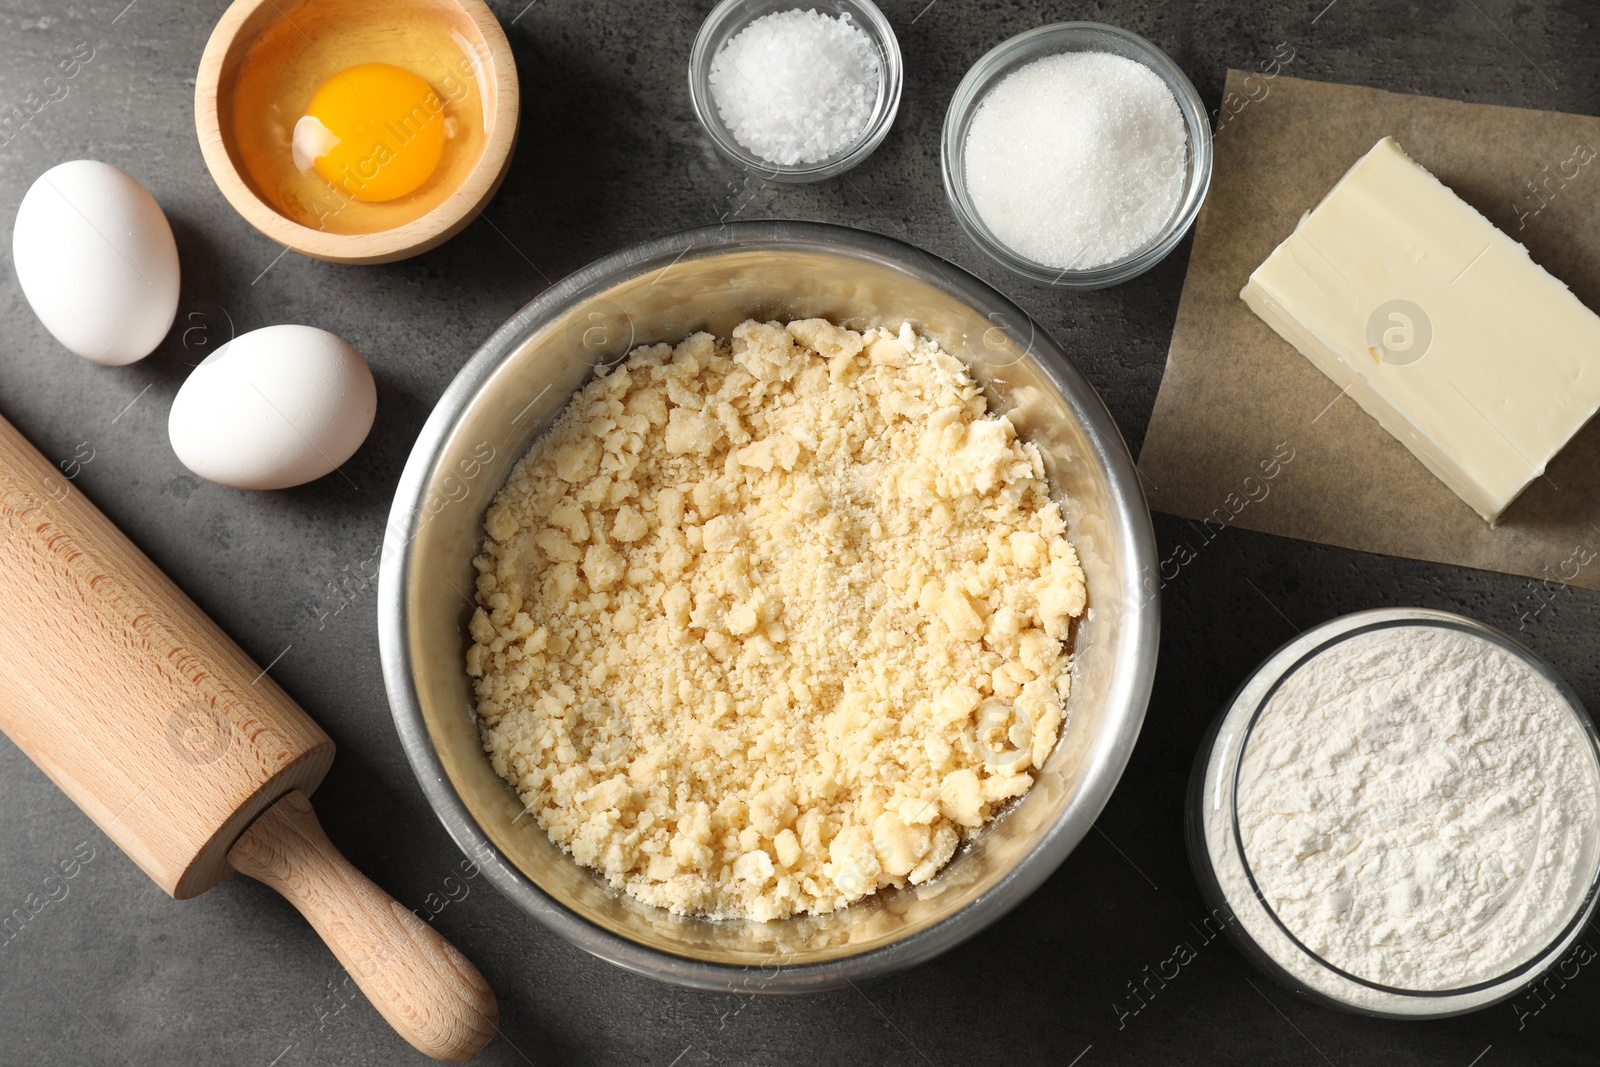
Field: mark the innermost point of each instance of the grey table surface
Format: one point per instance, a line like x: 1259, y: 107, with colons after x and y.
x: 610, y: 153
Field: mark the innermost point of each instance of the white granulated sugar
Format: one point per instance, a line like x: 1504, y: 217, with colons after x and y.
x: 796, y: 86
x: 1077, y: 160
x: 1418, y: 807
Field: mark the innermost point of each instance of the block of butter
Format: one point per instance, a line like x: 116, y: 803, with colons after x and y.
x: 1440, y: 326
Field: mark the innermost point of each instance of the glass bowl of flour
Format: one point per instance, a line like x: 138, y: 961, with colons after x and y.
x: 1399, y: 814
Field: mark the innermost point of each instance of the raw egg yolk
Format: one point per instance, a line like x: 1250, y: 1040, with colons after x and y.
x: 374, y: 130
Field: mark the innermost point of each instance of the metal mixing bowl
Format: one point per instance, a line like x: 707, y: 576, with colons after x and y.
x: 712, y: 279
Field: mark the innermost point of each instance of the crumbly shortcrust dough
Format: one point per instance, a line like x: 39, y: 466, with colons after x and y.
x: 770, y: 623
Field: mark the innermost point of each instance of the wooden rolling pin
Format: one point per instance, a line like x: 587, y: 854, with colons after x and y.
x: 186, y: 753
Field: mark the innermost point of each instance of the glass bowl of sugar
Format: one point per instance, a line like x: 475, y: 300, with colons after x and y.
x: 1398, y: 814
x: 1076, y: 155
x: 796, y: 93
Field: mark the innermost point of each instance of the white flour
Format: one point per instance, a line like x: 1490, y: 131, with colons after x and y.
x: 1418, y: 807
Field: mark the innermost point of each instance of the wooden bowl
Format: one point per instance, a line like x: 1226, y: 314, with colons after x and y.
x: 243, y: 21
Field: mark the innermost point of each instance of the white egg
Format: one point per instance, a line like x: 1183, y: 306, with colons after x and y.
x: 272, y: 408
x: 97, y: 262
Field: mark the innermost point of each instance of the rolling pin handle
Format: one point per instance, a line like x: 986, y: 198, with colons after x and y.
x: 416, y: 979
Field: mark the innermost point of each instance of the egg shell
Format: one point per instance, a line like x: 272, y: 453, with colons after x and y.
x: 274, y: 407
x: 96, y: 259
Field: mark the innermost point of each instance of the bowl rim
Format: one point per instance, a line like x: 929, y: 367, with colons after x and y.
x: 719, y: 28
x: 1037, y: 43
x: 1131, y: 692
x: 435, y: 227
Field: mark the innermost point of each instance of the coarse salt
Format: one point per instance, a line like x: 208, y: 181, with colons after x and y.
x: 797, y: 86
x: 1077, y: 160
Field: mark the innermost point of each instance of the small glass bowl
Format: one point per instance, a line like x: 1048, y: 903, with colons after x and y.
x: 1216, y: 852
x: 1024, y: 48
x: 730, y: 17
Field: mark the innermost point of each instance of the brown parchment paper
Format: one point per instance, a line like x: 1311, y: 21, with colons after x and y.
x: 1236, y: 399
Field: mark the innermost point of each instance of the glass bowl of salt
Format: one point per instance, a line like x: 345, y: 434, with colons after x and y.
x: 1076, y: 155
x: 796, y: 94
